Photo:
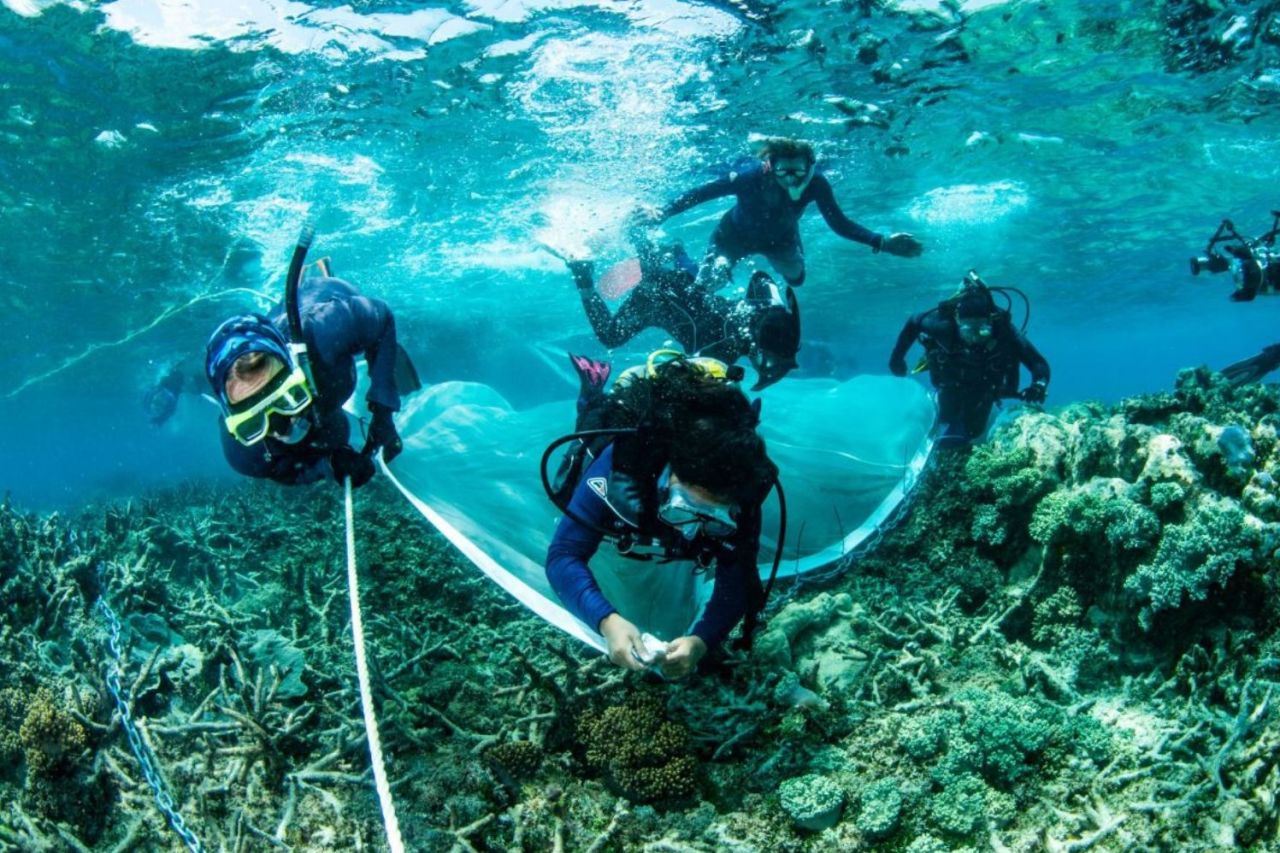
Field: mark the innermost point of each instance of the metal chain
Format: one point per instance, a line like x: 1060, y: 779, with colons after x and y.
x: 141, y: 751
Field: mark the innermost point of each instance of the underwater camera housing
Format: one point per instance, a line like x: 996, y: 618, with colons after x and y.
x: 1254, y: 264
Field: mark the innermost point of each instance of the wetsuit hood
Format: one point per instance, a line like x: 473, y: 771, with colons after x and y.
x: 237, y: 336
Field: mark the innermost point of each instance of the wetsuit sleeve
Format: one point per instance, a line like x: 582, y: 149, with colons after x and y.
x: 716, y: 189
x: 1034, y: 361
x: 910, y: 332
x: 729, y: 593
x: 295, y: 468
x: 820, y: 190
x: 573, y: 545
x: 362, y: 324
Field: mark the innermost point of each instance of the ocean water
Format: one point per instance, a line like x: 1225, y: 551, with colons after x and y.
x: 155, y: 155
x: 1070, y: 641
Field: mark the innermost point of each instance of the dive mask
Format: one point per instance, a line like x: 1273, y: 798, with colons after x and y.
x: 793, y: 179
x: 287, y: 394
x: 690, y: 515
x: 974, y: 330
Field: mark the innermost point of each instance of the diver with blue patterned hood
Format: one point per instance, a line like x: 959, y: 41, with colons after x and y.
x: 677, y: 476
x: 973, y: 353
x: 281, y: 380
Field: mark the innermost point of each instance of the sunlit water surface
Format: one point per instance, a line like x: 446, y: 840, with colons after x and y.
x: 158, y: 157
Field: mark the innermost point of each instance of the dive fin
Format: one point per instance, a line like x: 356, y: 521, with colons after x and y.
x: 406, y: 375
x: 1253, y: 369
x: 592, y: 374
x: 318, y: 269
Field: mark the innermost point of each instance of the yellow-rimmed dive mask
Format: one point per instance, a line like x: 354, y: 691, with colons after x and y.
x: 286, y: 394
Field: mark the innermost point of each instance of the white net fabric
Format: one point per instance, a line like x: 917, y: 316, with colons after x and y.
x: 848, y: 452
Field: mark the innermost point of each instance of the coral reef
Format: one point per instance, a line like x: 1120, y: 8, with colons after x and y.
x: 1071, y: 642
x: 813, y: 802
x: 644, y: 755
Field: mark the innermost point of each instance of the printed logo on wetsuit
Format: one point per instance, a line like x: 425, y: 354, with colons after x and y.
x: 599, y: 485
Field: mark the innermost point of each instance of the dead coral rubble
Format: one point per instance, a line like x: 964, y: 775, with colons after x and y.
x: 1070, y: 643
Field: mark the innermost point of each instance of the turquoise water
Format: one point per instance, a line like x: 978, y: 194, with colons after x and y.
x: 153, y: 157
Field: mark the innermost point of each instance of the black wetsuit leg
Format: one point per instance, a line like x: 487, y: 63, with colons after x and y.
x: 788, y: 261
x: 639, y: 311
x: 963, y: 414
x: 725, y: 243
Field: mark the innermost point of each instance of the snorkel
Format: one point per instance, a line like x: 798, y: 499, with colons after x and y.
x: 797, y: 190
x: 791, y: 180
x: 297, y: 344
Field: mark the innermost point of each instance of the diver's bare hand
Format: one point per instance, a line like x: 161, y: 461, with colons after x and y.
x: 626, y: 648
x: 902, y: 244
x: 683, y: 654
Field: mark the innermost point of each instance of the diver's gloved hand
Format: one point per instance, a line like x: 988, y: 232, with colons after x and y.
x: 347, y: 462
x: 382, y: 433
x: 1034, y: 393
x: 898, y: 366
x: 902, y: 244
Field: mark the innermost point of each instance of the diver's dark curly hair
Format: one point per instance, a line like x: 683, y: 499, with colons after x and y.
x: 704, y: 427
x: 782, y: 147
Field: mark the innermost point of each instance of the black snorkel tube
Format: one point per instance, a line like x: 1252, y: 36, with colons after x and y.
x: 297, y: 344
x: 546, y: 481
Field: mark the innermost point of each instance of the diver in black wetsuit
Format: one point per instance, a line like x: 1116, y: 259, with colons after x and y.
x: 772, y: 194
x: 764, y: 325
x: 285, y: 422
x: 1254, y: 265
x: 161, y: 400
x: 973, y: 353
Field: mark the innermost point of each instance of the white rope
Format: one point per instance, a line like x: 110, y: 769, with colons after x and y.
x: 366, y: 695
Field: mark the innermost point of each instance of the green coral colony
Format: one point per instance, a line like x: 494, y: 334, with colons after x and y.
x: 1070, y: 643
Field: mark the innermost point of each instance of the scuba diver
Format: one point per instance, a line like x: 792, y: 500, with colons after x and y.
x: 678, y: 473
x: 764, y: 325
x: 161, y: 400
x: 972, y: 351
x: 281, y: 381
x: 1254, y: 265
x: 772, y: 194
x: 1254, y: 368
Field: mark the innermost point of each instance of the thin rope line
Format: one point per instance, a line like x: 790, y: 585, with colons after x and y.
x: 366, y: 695
x: 93, y: 348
